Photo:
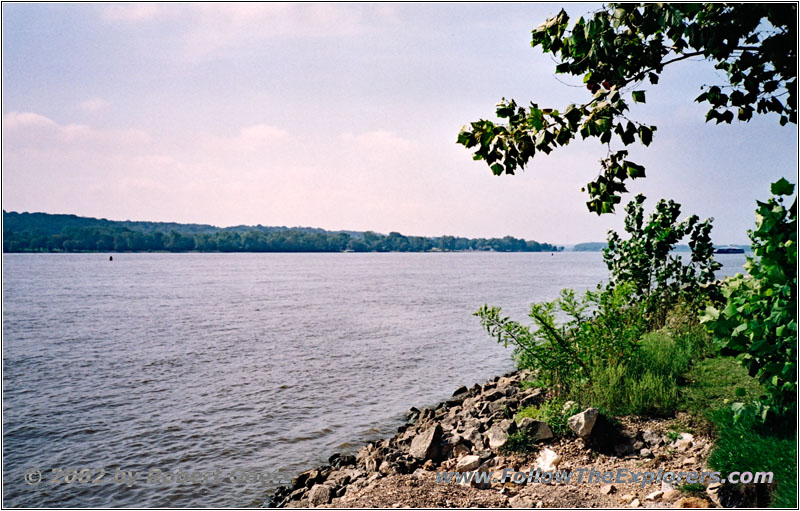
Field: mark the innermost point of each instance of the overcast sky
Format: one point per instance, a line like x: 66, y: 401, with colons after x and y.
x: 341, y: 116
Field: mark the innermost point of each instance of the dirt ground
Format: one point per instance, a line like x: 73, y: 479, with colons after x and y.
x: 421, y: 489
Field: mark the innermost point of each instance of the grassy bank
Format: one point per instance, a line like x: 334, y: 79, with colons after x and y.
x: 675, y: 372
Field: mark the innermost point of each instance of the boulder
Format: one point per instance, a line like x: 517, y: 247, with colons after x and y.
x: 460, y: 450
x: 468, y: 463
x: 474, y: 437
x: 497, y: 436
x: 582, y: 423
x: 320, y: 494
x: 683, y: 442
x: 535, y: 430
x: 425, y: 446
x: 652, y: 438
x: 460, y: 391
x: 494, y: 395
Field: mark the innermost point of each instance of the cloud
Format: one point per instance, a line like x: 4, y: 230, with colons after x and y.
x: 32, y: 130
x: 93, y: 105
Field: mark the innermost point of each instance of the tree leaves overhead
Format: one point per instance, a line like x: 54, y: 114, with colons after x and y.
x: 620, y: 47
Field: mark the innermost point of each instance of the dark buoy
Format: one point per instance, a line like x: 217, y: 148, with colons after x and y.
x: 110, y: 258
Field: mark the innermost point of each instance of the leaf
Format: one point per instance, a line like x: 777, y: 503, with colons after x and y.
x: 638, y: 96
x: 646, y: 135
x: 782, y: 187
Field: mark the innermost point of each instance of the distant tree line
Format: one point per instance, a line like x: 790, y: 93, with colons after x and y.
x: 33, y: 233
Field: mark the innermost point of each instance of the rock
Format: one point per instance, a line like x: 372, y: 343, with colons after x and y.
x: 652, y: 438
x: 607, y: 489
x: 692, y: 502
x: 497, y: 436
x: 520, y: 501
x: 387, y: 468
x: 548, y: 460
x: 460, y: 390
x: 671, y: 495
x: 567, y: 407
x: 320, y: 494
x: 460, y: 450
x: 656, y: 495
x: 429, y: 465
x: 627, y: 498
x: 535, y: 430
x: 339, y: 461
x: 474, y: 437
x: 646, y: 453
x: 582, y: 423
x: 683, y: 442
x: 425, y: 446
x: 635, y: 503
x: 531, y: 397
x: 501, y: 405
x: 638, y: 445
x: 688, y: 461
x: 494, y: 395
x: 468, y: 463
x: 665, y: 486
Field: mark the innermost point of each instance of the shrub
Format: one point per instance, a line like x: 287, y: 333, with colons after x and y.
x: 661, y: 280
x: 758, y: 322
x: 601, y: 328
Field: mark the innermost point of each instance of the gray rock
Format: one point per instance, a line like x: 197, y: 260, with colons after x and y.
x: 460, y: 450
x: 498, y: 406
x: 468, y: 463
x: 387, y: 468
x: 531, y: 397
x: 646, y: 453
x: 460, y: 390
x: 652, y: 438
x: 425, y: 446
x: 494, y: 395
x: 535, y: 430
x: 473, y: 436
x: 320, y: 494
x: 497, y: 436
x: 582, y: 423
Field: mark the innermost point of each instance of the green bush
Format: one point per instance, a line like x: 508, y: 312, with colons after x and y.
x: 601, y: 328
x: 660, y: 280
x: 758, y: 321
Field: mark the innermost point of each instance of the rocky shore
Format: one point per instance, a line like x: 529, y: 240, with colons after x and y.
x: 471, y: 431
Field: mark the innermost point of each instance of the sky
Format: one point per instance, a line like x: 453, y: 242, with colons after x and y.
x: 340, y: 116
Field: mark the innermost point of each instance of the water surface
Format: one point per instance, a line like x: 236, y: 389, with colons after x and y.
x: 260, y: 362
